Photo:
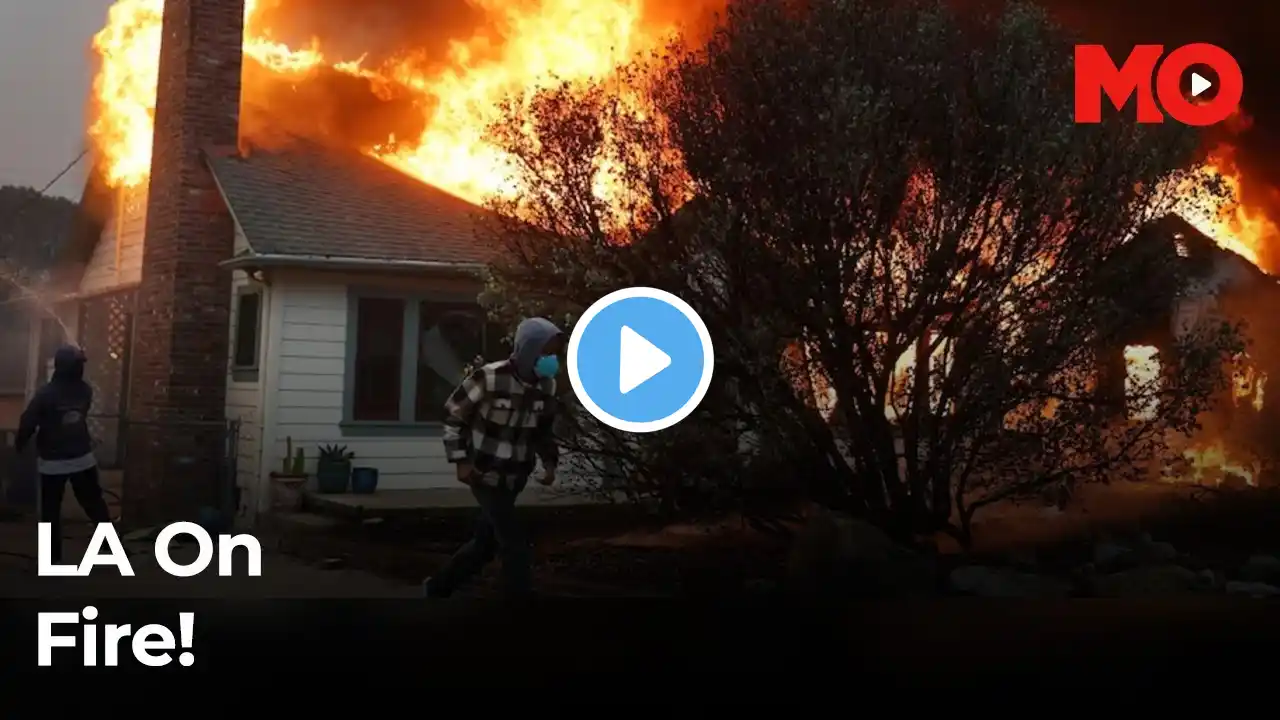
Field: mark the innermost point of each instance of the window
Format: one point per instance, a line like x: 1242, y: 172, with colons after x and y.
x: 244, y: 355
x: 410, y: 354
x: 378, y: 358
x: 452, y: 336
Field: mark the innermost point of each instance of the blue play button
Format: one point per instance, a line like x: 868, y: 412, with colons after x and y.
x: 640, y: 359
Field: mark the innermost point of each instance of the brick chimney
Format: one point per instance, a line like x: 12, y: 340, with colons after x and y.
x: 179, y: 355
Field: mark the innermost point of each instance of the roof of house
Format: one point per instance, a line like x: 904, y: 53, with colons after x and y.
x: 309, y: 200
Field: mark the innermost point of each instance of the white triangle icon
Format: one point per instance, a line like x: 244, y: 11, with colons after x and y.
x: 1199, y: 84
x: 639, y: 362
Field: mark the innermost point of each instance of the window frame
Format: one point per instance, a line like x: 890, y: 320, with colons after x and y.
x: 247, y: 373
x: 410, y: 348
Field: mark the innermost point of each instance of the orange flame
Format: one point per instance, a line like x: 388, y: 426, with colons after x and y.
x: 525, y: 44
x: 1234, y: 224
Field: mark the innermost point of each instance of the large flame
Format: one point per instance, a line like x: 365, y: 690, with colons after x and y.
x: 1234, y: 224
x: 521, y: 45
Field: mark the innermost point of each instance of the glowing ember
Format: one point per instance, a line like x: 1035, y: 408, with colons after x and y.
x: 521, y: 46
x: 1142, y: 372
x: 1212, y: 465
x: 1249, y: 385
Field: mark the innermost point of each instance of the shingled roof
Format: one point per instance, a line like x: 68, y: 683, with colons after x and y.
x: 312, y: 201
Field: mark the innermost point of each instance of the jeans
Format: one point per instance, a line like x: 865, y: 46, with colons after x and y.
x: 498, y: 533
x: 88, y: 492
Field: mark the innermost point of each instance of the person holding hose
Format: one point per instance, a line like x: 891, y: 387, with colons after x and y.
x: 58, y: 418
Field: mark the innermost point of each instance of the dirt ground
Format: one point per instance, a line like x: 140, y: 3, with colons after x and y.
x: 588, y: 553
x: 578, y: 556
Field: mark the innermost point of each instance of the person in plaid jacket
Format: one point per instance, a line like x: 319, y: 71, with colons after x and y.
x: 498, y: 423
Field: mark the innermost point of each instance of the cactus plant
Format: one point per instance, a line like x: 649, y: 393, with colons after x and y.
x: 299, y: 463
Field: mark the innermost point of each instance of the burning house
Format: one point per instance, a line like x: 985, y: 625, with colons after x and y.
x: 1224, y: 286
x: 323, y: 291
x: 239, y: 293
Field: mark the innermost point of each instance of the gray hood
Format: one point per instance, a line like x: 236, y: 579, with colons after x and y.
x: 532, y: 336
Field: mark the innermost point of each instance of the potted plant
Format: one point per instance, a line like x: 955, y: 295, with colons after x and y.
x: 364, y: 480
x: 288, y: 482
x: 333, y: 469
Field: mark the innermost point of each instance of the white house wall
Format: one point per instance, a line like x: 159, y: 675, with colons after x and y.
x: 307, y: 402
x: 117, y: 257
x: 244, y: 397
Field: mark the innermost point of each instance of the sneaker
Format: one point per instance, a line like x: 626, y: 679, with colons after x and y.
x: 430, y: 592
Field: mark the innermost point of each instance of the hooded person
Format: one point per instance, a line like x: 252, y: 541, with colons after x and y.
x: 57, y: 417
x: 498, y: 424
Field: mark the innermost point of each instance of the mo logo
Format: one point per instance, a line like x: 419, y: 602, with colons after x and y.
x: 1096, y: 74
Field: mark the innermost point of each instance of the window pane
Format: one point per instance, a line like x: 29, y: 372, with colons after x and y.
x: 451, y: 337
x: 379, y: 349
x: 246, y: 355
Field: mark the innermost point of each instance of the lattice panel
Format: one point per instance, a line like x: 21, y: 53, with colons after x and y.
x: 105, y: 332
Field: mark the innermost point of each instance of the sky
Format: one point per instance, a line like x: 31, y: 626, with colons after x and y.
x: 45, y: 71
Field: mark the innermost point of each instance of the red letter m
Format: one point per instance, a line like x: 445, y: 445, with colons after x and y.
x: 1096, y: 73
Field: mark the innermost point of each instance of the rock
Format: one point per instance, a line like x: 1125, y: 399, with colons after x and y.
x: 1261, y: 568
x: 1024, y: 561
x: 1004, y: 582
x: 839, y: 556
x: 760, y: 586
x: 1110, y: 557
x: 1149, y: 580
x: 1252, y: 589
x: 1207, y: 579
x: 1193, y: 562
x: 1157, y: 552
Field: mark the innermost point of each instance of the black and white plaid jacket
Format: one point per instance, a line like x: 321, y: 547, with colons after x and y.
x: 500, y: 423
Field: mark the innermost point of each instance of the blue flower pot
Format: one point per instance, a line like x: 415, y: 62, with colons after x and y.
x: 364, y: 480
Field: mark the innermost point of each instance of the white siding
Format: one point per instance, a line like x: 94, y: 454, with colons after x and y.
x: 307, y: 402
x: 117, y: 257
x: 244, y: 398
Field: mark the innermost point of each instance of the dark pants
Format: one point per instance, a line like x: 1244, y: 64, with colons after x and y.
x: 88, y: 492
x: 498, y: 533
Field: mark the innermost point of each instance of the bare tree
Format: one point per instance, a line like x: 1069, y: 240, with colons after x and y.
x: 912, y: 261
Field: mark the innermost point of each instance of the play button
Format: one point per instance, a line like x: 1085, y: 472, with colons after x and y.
x: 640, y: 360
x: 1199, y: 84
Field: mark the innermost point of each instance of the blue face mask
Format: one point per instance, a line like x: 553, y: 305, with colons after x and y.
x: 547, y: 366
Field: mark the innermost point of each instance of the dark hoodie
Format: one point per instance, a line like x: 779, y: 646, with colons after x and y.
x: 57, y: 414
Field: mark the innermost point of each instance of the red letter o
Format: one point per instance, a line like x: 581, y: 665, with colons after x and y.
x: 1230, y: 84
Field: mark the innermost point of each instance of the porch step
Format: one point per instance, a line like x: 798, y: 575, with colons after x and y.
x: 303, y: 522
x: 299, y: 532
x: 391, y: 504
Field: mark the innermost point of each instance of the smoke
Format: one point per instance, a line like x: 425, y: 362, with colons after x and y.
x: 379, y: 30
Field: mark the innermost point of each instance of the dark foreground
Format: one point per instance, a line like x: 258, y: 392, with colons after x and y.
x: 662, y: 648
